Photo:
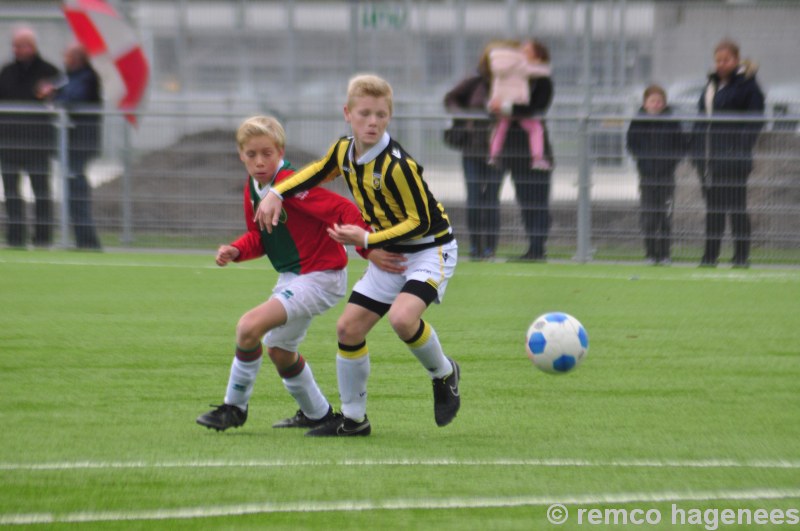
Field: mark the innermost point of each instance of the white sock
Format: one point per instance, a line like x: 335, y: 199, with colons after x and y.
x: 428, y: 350
x: 241, y: 382
x: 352, y: 374
x: 307, y: 393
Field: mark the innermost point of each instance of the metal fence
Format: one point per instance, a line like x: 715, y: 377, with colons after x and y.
x: 176, y: 182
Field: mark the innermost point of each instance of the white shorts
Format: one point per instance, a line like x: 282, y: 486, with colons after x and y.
x: 304, y: 297
x: 433, y: 266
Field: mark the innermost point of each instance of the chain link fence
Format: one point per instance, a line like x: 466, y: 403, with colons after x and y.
x: 177, y: 182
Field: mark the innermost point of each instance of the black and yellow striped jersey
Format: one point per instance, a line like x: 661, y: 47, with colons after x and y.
x: 390, y: 193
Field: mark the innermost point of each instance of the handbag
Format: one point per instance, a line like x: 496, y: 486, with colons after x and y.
x: 457, y: 136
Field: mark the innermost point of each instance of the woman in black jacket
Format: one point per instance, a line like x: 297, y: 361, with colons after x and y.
x: 483, y: 181
x: 723, y: 150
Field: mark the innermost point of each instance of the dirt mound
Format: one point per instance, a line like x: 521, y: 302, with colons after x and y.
x: 195, y: 184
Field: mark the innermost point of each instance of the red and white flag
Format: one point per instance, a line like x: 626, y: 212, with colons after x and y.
x: 114, y: 49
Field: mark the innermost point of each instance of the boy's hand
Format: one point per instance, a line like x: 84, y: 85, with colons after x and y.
x: 269, y: 212
x: 226, y: 254
x: 348, y: 234
x: 389, y: 262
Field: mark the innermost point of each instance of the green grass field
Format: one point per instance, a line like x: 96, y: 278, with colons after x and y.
x: 688, y: 401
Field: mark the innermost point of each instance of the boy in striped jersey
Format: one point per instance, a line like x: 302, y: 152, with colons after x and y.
x: 312, y: 278
x: 404, y: 217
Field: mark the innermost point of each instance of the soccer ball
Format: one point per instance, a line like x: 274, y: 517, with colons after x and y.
x: 556, y: 342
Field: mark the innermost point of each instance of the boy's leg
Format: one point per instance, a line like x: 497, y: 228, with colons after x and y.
x: 353, y: 367
x: 422, y: 288
x: 245, y: 367
x: 298, y: 379
x: 302, y: 297
x: 425, y: 345
x: 352, y: 359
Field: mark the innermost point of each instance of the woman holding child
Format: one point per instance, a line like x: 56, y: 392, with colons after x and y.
x: 528, y: 158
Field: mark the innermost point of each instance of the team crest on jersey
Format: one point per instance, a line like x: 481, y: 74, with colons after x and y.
x: 376, y: 181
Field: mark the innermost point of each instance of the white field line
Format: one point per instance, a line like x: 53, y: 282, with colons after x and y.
x: 556, y: 462
x: 399, y: 504
x: 625, y: 273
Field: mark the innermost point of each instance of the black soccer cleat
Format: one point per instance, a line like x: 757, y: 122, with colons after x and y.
x: 300, y: 420
x: 224, y: 417
x: 341, y: 426
x: 446, y: 399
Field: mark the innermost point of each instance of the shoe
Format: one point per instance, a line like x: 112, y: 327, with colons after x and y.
x: 340, y: 426
x: 531, y: 257
x: 665, y: 262
x: 741, y: 264
x: 224, y: 417
x: 446, y: 399
x: 300, y: 420
x: 708, y: 263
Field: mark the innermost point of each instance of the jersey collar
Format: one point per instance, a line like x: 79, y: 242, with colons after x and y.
x: 263, y: 190
x: 374, y: 151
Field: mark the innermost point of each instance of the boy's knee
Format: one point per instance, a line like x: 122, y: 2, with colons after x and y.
x: 246, y: 333
x: 405, y: 323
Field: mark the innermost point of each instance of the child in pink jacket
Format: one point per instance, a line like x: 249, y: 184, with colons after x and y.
x: 512, y: 68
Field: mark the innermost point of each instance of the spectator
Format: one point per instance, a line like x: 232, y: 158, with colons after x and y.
x: 26, y: 138
x: 483, y: 181
x: 82, y: 93
x: 722, y: 150
x: 511, y: 69
x: 656, y: 142
x: 532, y: 185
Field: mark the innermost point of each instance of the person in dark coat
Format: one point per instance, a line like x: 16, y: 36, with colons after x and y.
x: 27, y: 139
x: 531, y: 185
x: 82, y: 95
x: 722, y: 150
x: 657, y: 144
x: 483, y: 181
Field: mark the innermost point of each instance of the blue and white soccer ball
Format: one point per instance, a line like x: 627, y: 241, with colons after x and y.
x: 556, y: 342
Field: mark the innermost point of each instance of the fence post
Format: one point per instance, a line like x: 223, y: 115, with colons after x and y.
x: 127, y: 201
x: 583, y: 253
x: 62, y: 128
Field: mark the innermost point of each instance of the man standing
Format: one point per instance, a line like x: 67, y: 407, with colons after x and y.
x: 27, y: 139
x: 82, y: 95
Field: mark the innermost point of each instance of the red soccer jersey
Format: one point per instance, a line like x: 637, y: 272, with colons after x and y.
x: 300, y: 243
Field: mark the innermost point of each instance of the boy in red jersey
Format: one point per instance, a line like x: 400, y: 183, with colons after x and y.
x: 312, y: 279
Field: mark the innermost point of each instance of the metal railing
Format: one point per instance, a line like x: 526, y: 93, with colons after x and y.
x: 175, y: 181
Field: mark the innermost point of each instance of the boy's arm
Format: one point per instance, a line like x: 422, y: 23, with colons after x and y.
x: 334, y: 210
x: 249, y: 243
x: 325, y: 169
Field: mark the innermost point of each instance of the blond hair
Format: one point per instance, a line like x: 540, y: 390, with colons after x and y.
x: 368, y: 85
x: 261, y: 126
